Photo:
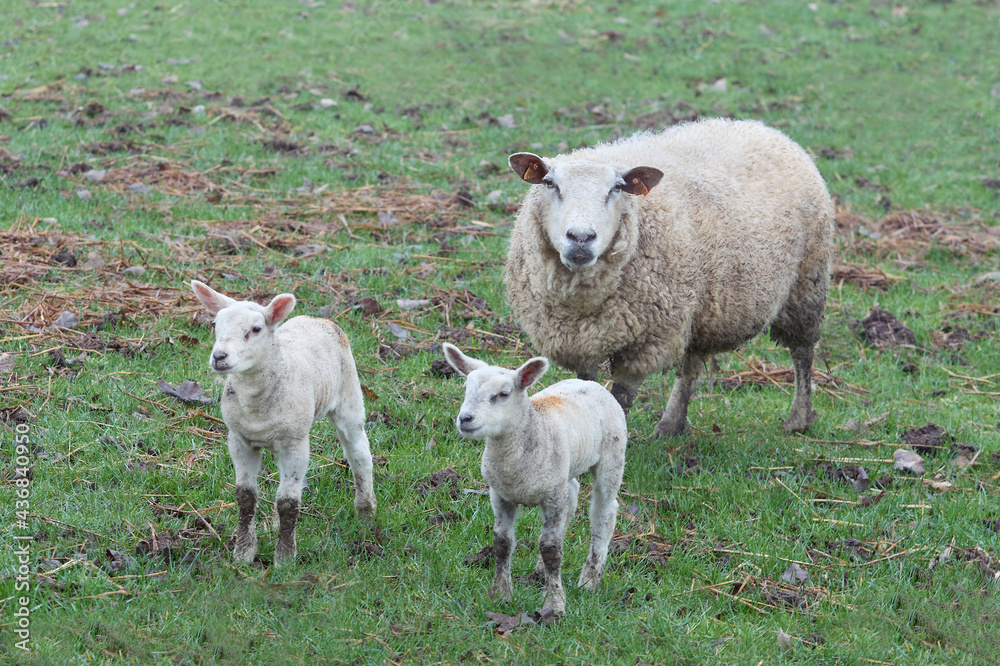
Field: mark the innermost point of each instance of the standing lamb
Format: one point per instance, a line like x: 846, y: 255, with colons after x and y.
x: 535, y: 449
x: 659, y: 250
x: 281, y: 379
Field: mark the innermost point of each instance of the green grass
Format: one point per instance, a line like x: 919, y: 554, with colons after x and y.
x: 899, y: 104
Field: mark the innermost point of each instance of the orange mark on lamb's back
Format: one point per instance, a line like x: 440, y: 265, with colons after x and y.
x: 548, y: 402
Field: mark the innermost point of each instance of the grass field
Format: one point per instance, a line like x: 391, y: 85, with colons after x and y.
x: 355, y: 154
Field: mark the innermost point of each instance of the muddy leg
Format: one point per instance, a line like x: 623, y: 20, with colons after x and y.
x: 674, y: 420
x: 293, y: 461
x: 802, y: 414
x: 246, y: 460
x: 504, y: 542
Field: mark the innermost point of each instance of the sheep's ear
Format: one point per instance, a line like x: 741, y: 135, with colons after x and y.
x: 529, y: 373
x: 528, y: 166
x: 463, y: 364
x: 210, y: 298
x: 641, y: 180
x: 278, y: 308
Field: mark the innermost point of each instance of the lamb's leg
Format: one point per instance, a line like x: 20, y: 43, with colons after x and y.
x: 573, y: 488
x: 293, y: 462
x: 603, y: 512
x: 504, y: 542
x: 802, y: 414
x: 246, y: 461
x: 550, y: 548
x: 674, y: 420
x: 354, y: 441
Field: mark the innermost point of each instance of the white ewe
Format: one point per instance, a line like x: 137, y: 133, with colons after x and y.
x: 659, y: 250
x: 535, y: 449
x: 281, y: 379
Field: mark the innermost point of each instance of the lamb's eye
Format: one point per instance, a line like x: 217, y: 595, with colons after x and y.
x: 502, y: 395
x: 256, y: 329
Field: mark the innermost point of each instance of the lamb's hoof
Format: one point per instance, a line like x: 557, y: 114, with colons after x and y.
x: 557, y: 602
x: 801, y: 420
x: 501, y: 590
x: 245, y: 555
x: 590, y: 578
x: 365, y: 508
x: 672, y: 428
x: 284, y: 555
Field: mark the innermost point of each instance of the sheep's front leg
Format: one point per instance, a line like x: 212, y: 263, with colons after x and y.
x: 293, y: 462
x: 504, y: 542
x: 246, y: 460
x: 674, y: 420
x: 555, y: 516
x: 802, y: 414
x: 354, y: 441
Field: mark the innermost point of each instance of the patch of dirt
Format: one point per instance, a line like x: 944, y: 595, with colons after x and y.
x: 441, y: 368
x: 446, y: 479
x: 862, y: 277
x: 927, y: 439
x: 652, y: 548
x: 484, y: 558
x: 882, y: 330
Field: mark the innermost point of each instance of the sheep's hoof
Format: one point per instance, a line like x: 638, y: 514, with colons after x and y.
x: 245, y: 555
x: 590, y: 578
x: 365, y: 508
x: 502, y: 589
x: 284, y: 555
x: 672, y: 428
x: 801, y: 420
x: 557, y: 602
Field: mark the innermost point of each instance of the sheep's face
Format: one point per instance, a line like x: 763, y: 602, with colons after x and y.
x: 584, y: 202
x: 494, y: 397
x: 242, y: 338
x: 244, y: 331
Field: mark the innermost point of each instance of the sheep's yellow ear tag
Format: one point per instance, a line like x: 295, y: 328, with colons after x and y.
x: 639, y: 187
x: 533, y: 172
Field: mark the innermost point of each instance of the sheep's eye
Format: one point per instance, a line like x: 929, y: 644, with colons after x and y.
x: 549, y: 184
x: 502, y: 395
x: 256, y: 329
x: 618, y: 187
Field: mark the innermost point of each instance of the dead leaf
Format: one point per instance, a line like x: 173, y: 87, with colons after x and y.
x: 938, y: 483
x: 795, y: 574
x: 908, y: 461
x: 7, y: 362
x: 66, y: 319
x: 401, y: 333
x: 186, y: 391
x: 504, y: 624
x: 784, y: 640
x: 410, y: 304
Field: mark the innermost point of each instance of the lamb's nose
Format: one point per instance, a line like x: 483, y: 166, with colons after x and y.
x: 219, y: 356
x: 581, y: 237
x: 465, y: 419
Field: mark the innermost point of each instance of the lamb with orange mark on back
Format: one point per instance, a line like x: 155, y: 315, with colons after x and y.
x: 535, y: 449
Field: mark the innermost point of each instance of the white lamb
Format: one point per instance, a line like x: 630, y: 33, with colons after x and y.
x: 281, y: 379
x: 659, y: 250
x: 535, y: 449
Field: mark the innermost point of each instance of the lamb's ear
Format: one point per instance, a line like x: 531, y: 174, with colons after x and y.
x: 210, y: 298
x: 279, y: 308
x: 528, y: 166
x: 641, y: 180
x: 463, y: 364
x: 529, y: 373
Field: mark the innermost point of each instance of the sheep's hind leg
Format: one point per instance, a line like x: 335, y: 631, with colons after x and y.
x: 246, y: 460
x: 603, y: 512
x: 504, y: 542
x: 802, y: 414
x: 573, y: 488
x: 293, y: 462
x: 675, y: 420
x: 354, y: 441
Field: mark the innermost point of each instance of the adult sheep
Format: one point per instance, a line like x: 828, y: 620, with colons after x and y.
x: 660, y: 249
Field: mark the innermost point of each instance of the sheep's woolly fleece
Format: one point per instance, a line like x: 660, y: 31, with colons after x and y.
x: 736, y: 236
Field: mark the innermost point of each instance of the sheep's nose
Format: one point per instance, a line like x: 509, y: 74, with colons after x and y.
x: 465, y: 419
x: 219, y: 356
x: 581, y: 237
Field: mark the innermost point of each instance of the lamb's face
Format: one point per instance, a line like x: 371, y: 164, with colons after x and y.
x: 242, y: 338
x: 490, y: 403
x: 583, y: 204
